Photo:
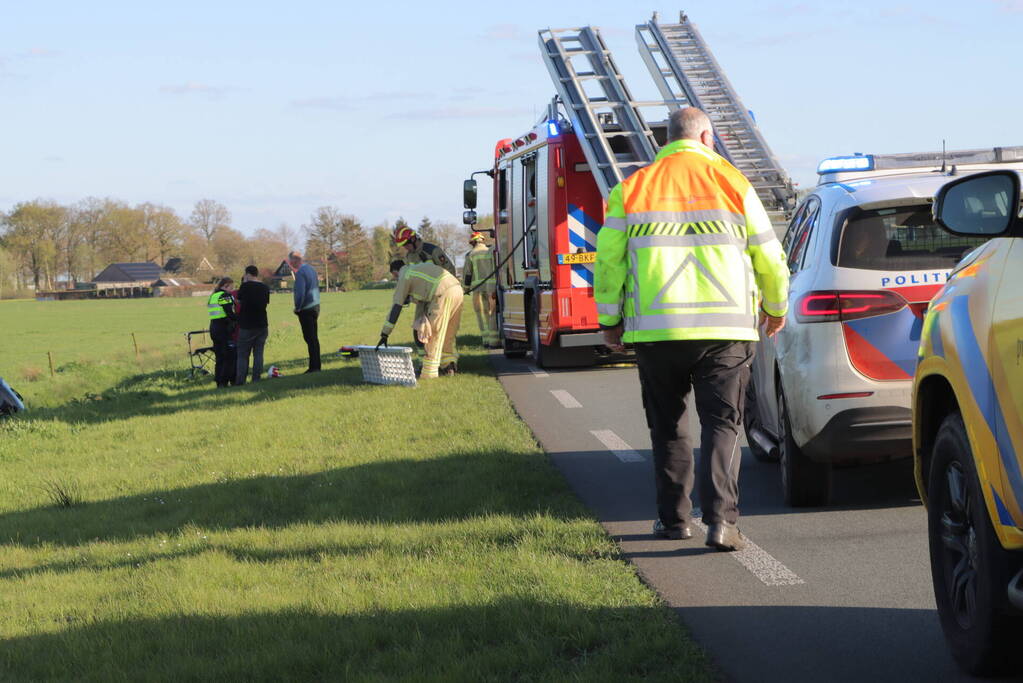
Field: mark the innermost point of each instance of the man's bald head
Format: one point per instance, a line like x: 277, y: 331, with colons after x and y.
x: 689, y: 123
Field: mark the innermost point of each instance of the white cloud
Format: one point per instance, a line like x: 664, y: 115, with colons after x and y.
x: 193, y: 88
x: 505, y: 32
x: 346, y: 103
x: 334, y: 103
x: 440, y: 113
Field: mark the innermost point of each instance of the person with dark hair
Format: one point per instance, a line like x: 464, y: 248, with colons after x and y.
x: 307, y: 306
x: 223, y: 320
x: 253, y: 296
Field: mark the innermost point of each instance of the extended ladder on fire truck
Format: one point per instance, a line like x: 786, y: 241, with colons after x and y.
x: 602, y: 112
x: 686, y: 72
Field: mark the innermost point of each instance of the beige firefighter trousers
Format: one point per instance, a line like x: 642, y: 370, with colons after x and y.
x: 484, y: 302
x: 445, y: 314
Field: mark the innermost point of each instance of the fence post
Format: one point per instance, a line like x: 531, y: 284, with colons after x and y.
x: 136, y: 345
x: 49, y: 355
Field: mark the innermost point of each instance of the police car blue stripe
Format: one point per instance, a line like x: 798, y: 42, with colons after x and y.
x: 896, y: 335
x: 971, y: 358
x: 1004, y: 516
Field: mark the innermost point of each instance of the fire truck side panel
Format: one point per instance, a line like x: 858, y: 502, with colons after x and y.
x: 579, y: 212
x: 546, y: 184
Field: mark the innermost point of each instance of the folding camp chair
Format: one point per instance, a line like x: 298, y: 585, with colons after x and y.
x: 200, y: 356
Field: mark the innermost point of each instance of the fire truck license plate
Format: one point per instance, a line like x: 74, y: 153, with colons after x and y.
x: 585, y: 257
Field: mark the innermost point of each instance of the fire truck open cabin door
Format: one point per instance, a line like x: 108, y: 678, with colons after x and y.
x: 548, y: 211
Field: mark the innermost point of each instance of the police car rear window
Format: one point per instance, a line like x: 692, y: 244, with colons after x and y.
x: 899, y: 238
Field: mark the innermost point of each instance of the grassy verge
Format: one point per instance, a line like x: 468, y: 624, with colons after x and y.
x: 304, y: 528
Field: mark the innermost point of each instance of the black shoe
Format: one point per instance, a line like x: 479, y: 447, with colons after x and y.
x: 725, y: 536
x: 682, y: 533
x: 448, y: 369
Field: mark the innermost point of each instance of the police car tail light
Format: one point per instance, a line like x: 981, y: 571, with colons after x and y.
x: 835, y: 306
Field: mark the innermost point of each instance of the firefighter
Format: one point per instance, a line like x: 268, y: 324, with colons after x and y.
x: 438, y: 295
x: 418, y: 251
x: 223, y: 321
x: 685, y: 253
x: 477, y: 274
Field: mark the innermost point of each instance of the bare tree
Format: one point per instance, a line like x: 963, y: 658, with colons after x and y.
x: 163, y: 229
x: 208, y: 216
x: 323, y: 236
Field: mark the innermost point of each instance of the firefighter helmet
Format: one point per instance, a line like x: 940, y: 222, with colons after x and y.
x: 476, y: 237
x: 403, y: 235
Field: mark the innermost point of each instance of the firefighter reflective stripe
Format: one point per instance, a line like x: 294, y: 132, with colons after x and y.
x: 215, y: 305
x: 480, y: 264
x: 696, y: 248
x: 431, y: 253
x: 712, y: 321
x: 766, y: 256
x: 705, y: 240
x: 762, y: 238
x: 685, y: 216
x: 419, y: 282
x: 614, y: 222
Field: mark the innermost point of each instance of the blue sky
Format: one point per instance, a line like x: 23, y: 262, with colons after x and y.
x: 381, y: 109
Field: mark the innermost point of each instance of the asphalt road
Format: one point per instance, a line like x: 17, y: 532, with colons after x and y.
x: 835, y: 594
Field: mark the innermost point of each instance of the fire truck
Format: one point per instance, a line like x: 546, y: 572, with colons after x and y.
x: 551, y: 183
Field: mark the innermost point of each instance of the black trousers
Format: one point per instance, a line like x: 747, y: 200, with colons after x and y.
x: 223, y: 350
x: 717, y: 371
x: 308, y: 318
x: 250, y: 342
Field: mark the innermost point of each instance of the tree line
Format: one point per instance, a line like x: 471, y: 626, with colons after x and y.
x: 46, y: 245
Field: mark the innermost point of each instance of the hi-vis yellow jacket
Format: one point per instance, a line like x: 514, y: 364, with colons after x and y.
x: 686, y: 251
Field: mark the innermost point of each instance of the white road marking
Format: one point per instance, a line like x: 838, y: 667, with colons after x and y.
x: 566, y: 399
x: 758, y: 561
x: 617, y: 445
x: 537, y: 372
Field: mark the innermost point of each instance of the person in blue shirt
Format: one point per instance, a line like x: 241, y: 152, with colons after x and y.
x: 307, y: 306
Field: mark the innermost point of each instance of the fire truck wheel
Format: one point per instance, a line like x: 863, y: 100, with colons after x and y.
x: 554, y: 356
x: 511, y: 348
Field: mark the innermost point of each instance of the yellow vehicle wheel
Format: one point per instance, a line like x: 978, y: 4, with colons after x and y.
x: 969, y: 568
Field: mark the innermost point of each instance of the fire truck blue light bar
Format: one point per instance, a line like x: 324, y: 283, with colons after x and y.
x: 552, y: 129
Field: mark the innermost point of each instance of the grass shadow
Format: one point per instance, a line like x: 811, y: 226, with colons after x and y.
x: 510, y: 639
x: 458, y: 486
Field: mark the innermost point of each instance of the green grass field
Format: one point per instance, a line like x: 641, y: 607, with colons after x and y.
x: 304, y: 528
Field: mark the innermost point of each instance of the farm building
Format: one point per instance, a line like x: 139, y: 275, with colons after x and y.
x: 127, y: 280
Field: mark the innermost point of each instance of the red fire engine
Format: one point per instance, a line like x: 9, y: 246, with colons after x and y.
x: 550, y: 184
x: 547, y: 211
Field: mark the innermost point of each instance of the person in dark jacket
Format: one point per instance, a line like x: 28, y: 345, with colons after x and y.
x: 223, y: 321
x: 253, y: 298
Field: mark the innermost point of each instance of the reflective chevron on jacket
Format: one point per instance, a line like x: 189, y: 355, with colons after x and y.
x: 687, y: 251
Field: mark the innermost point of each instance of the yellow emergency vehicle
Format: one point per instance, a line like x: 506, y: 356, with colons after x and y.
x: 968, y: 426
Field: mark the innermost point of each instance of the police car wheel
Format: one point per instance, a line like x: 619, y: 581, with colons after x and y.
x: 969, y: 569
x: 751, y: 421
x: 805, y: 483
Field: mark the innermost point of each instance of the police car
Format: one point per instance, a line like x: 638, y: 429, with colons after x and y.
x: 968, y: 427
x: 865, y: 255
